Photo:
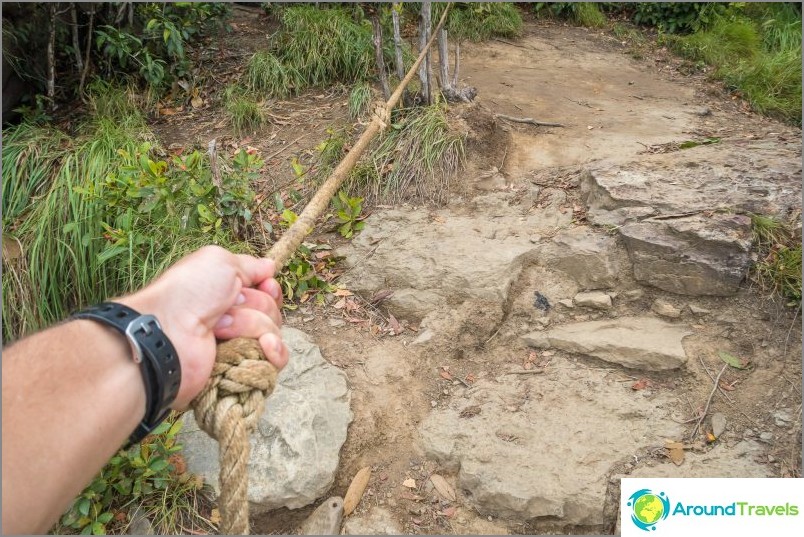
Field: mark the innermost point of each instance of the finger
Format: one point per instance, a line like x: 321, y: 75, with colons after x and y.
x: 254, y: 270
x: 244, y: 322
x: 275, y: 350
x: 272, y: 287
x: 257, y: 300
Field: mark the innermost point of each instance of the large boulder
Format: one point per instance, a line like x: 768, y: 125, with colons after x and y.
x: 637, y: 342
x: 296, y: 447
x: 684, y: 218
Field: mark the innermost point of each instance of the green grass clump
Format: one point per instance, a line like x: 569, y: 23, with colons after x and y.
x: 324, y: 46
x: 779, y: 269
x: 756, y: 52
x: 589, y: 14
x: 415, y: 160
x: 245, y: 111
x: 480, y: 21
x: 359, y: 100
x: 266, y: 73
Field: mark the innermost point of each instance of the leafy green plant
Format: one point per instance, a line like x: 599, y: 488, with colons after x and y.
x: 583, y: 13
x: 348, y: 211
x: 480, y: 21
x: 140, y: 476
x: 678, y: 17
x: 301, y: 279
x: 266, y: 73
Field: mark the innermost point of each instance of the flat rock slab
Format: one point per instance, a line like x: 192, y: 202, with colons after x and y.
x: 430, y: 260
x: 296, y: 447
x: 644, y: 343
x: 377, y: 521
x: 683, y: 222
x: 739, y: 460
x: 540, y: 446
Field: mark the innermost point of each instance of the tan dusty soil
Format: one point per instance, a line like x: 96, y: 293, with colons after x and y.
x: 613, y: 107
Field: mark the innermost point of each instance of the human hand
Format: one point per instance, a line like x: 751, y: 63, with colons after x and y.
x: 211, y: 294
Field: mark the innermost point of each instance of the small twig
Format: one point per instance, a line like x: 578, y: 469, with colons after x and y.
x: 502, y: 163
x: 724, y: 394
x: 283, y: 149
x: 525, y: 372
x: 637, y: 97
x: 672, y: 216
x: 708, y: 402
x: 492, y: 335
x: 528, y: 120
x: 787, y: 339
x: 512, y: 44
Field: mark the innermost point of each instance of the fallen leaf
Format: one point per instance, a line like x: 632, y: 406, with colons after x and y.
x: 732, y: 360
x: 641, y: 384
x: 396, y: 328
x: 406, y: 495
x: 343, y: 292
x: 410, y: 483
x: 356, y: 489
x: 339, y: 305
x: 417, y: 521
x: 470, y: 378
x: 120, y: 516
x: 380, y: 295
x: 727, y: 387
x: 710, y: 437
x: 675, y: 451
x: 444, y: 489
x: 170, y: 111
x: 215, y: 516
x: 449, y: 512
x: 197, y: 102
x: 446, y: 375
x: 178, y: 462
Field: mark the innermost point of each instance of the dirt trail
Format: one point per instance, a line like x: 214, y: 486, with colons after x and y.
x: 524, y: 451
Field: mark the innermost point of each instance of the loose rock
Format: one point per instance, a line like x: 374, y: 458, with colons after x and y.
x: 377, y: 521
x: 718, y: 424
x: 665, y: 309
x: 296, y: 448
x: 698, y: 310
x: 593, y: 299
x: 587, y: 257
x: 325, y: 520
x: 637, y: 342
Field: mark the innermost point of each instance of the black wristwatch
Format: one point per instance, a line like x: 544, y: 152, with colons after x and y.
x: 153, y: 351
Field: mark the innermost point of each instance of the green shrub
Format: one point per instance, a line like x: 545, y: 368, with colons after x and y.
x: 678, y: 17
x: 479, y: 21
x: 266, y: 73
x: 245, y: 111
x: 583, y: 13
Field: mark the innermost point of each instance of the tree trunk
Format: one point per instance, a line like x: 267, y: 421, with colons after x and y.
x: 79, y: 62
x: 443, y: 59
x: 424, y: 36
x: 89, y: 48
x: 375, y: 22
x: 400, y: 65
x: 457, y: 64
x: 51, y: 58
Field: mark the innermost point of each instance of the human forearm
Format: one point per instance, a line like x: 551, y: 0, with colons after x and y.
x: 79, y: 369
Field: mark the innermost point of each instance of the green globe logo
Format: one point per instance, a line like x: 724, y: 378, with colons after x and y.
x: 648, y: 508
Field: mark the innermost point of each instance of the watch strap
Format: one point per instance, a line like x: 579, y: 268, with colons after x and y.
x: 152, y: 350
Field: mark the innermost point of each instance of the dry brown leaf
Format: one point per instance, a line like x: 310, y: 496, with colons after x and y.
x: 446, y: 375
x: 449, y: 512
x: 396, y: 328
x: 215, y: 516
x: 676, y: 455
x: 339, y: 305
x: 407, y: 495
x: 197, y: 102
x: 641, y: 384
x: 356, y: 489
x: 470, y: 378
x: 410, y: 483
x: 380, y: 295
x: 170, y: 111
x: 343, y: 292
x: 444, y: 489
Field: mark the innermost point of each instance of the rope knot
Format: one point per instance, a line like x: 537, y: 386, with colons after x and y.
x: 382, y: 116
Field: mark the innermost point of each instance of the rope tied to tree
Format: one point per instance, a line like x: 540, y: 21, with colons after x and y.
x: 231, y: 404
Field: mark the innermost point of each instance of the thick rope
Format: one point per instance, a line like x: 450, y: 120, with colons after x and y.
x: 230, y: 406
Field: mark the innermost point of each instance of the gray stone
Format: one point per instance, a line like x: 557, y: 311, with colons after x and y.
x: 493, y: 453
x: 296, y: 448
x: 703, y: 111
x: 721, y: 461
x: 593, y: 299
x: 782, y: 418
x: 587, y: 257
x: 718, y: 424
x: 693, y: 255
x: 424, y: 337
x: 377, y: 521
x: 414, y: 304
x: 326, y: 519
x: 566, y: 302
x: 766, y: 437
x: 537, y: 340
x: 140, y: 524
x: 665, y: 309
x: 698, y: 310
x: 636, y: 342
x: 335, y: 323
x: 634, y: 294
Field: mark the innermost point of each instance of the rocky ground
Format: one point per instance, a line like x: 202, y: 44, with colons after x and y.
x: 558, y: 322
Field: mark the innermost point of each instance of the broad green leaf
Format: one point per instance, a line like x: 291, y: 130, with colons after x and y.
x: 732, y: 360
x: 104, y: 518
x: 83, y: 506
x: 98, y: 529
